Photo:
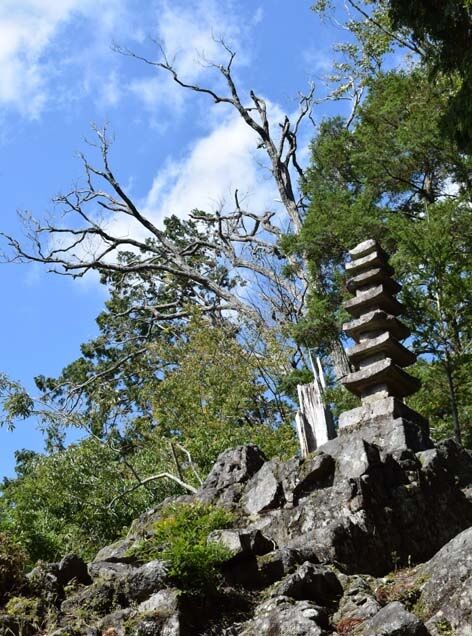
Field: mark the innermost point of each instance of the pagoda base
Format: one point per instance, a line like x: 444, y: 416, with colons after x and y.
x: 389, y: 423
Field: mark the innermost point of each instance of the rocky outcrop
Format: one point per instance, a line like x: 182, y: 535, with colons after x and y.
x: 446, y: 595
x: 311, y: 548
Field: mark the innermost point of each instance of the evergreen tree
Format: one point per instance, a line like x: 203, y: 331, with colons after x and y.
x: 391, y: 176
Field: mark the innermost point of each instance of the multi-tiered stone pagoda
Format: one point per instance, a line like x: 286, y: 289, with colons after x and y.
x: 378, y: 358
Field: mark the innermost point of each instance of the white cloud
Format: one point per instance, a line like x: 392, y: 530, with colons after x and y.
x: 217, y: 164
x: 318, y: 61
x: 190, y: 35
x: 258, y: 16
x: 28, y: 29
x: 110, y: 90
x: 190, y: 32
x: 205, y: 178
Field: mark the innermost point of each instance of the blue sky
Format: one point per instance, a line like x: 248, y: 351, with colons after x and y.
x: 173, y: 150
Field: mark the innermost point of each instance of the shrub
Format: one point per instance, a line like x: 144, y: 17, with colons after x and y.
x: 26, y: 610
x: 12, y: 565
x: 180, y: 538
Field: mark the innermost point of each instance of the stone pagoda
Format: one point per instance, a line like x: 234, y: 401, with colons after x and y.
x: 378, y: 358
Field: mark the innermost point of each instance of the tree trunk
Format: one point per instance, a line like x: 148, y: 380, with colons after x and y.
x: 453, y: 400
x: 314, y: 420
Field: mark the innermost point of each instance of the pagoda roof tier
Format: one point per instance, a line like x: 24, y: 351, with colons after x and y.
x: 377, y: 258
x: 384, y: 343
x: 374, y: 276
x: 364, y: 248
x: 377, y: 297
x: 376, y: 320
x: 386, y: 373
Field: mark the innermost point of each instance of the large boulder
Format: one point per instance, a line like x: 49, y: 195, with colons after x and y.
x: 242, y: 542
x: 311, y: 582
x: 235, y: 466
x: 392, y: 620
x: 446, y: 595
x: 275, y: 565
x: 139, y: 583
x: 116, y: 552
x: 282, y: 615
x: 317, y: 471
x: 264, y: 490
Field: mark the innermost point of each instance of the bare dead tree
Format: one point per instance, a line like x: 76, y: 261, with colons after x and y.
x: 244, y: 242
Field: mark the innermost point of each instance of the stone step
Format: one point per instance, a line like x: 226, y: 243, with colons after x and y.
x: 398, y: 383
x: 376, y: 320
x: 384, y: 344
x: 374, y: 298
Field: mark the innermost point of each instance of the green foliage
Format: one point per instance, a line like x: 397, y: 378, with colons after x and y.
x: 180, y: 538
x: 25, y: 609
x: 438, y: 35
x: 61, y: 503
x: 13, y: 561
x: 443, y: 32
x: 213, y: 397
x: 444, y: 627
x: 390, y: 177
x: 16, y: 403
x: 433, y: 399
x: 210, y: 398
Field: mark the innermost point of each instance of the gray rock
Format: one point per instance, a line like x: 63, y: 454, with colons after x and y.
x: 242, y: 542
x: 97, y: 599
x: 311, y: 583
x: 166, y: 602
x: 314, y: 472
x: 358, y: 602
x: 458, y: 460
x: 43, y: 581
x: 116, y: 552
x: 139, y: 583
x: 109, y: 570
x: 116, y: 620
x: 225, y: 497
x: 354, y: 456
x: 73, y: 568
x: 159, y: 614
x: 393, y: 620
x: 235, y: 466
x: 275, y: 565
x: 446, y: 596
x: 157, y: 626
x: 264, y: 490
x: 288, y: 617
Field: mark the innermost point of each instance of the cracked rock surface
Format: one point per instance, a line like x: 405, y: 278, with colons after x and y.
x: 353, y: 540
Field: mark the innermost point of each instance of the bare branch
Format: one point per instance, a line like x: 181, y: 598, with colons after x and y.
x: 143, y: 482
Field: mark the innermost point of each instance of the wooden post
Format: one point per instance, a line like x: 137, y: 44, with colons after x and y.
x: 313, y: 420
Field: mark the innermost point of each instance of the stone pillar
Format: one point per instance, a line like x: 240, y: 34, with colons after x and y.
x: 378, y: 357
